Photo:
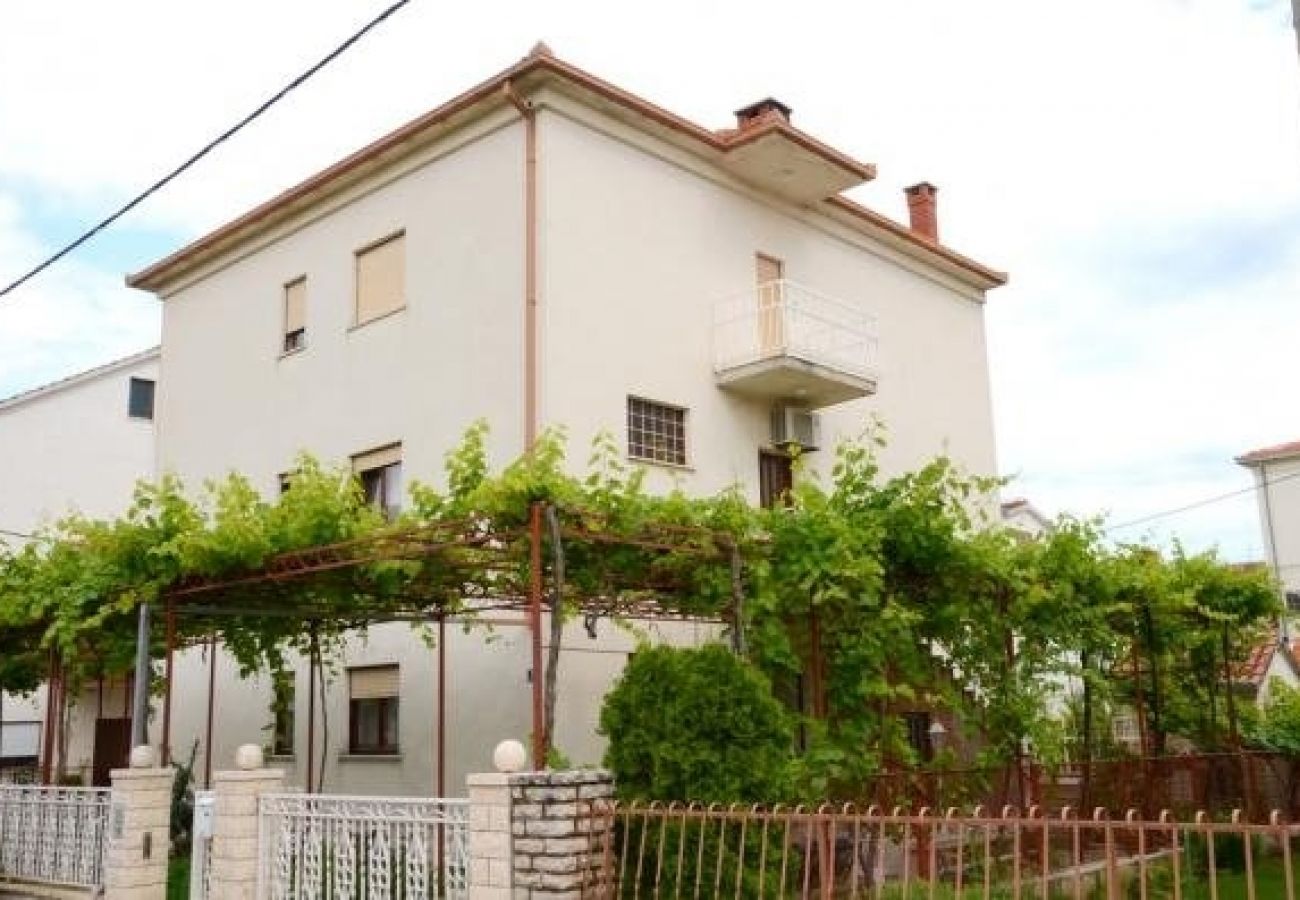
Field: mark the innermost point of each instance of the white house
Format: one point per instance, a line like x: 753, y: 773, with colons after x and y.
x: 548, y: 249
x: 74, y: 446
x: 1276, y: 471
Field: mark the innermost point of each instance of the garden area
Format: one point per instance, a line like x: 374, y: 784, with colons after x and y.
x: 875, y: 625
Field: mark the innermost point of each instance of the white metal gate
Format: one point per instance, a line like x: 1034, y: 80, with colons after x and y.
x: 205, y: 814
x: 322, y: 847
x: 53, y: 834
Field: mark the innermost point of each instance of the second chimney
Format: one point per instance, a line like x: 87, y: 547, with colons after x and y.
x: 922, y: 207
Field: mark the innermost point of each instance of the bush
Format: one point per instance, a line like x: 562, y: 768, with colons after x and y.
x: 696, y: 724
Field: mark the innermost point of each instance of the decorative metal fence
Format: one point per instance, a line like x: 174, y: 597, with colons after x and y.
x: 326, y: 847
x: 53, y: 834
x: 691, y: 851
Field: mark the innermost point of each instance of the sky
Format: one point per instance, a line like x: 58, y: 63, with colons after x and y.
x: 1133, y: 164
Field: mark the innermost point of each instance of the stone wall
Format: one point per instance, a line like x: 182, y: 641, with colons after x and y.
x: 558, y: 843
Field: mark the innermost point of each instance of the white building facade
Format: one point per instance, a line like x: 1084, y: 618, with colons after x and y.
x: 76, y: 446
x: 1276, y: 471
x: 548, y: 250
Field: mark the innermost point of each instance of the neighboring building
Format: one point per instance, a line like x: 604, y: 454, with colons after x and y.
x: 1272, y: 661
x: 548, y: 249
x: 78, y: 445
x: 1277, y: 489
x: 1022, y: 516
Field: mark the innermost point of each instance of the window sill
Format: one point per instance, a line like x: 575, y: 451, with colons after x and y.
x: 657, y: 464
x: 370, y: 757
x: 355, y: 326
x: 297, y: 351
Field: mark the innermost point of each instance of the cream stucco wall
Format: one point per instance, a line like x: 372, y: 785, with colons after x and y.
x: 639, y: 244
x: 230, y: 401
x: 636, y: 244
x: 1278, y: 491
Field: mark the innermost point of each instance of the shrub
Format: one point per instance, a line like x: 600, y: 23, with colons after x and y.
x: 696, y: 724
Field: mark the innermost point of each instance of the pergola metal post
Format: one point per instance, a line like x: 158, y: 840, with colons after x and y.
x: 167, y: 685
x: 140, y: 702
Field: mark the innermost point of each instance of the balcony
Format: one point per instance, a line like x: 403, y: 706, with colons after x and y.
x: 782, y: 341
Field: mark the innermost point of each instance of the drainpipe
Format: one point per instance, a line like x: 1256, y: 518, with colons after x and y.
x: 529, y: 116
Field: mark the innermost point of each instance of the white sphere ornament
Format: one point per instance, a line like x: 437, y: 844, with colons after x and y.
x: 510, y: 756
x: 143, y: 757
x: 248, y: 757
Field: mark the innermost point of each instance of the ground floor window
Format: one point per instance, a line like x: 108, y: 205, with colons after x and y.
x: 373, y: 710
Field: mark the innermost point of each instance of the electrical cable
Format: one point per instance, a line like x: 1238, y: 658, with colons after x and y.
x: 1267, y: 482
x: 208, y: 148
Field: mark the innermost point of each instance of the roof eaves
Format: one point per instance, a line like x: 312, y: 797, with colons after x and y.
x: 75, y: 378
x: 985, y: 277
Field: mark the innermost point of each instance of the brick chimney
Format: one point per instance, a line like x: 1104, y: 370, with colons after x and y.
x: 922, y: 207
x: 766, y: 108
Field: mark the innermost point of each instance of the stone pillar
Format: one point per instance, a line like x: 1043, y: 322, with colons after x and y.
x: 533, y: 835
x: 559, y: 834
x: 139, y: 830
x: 235, y: 853
x: 490, y: 872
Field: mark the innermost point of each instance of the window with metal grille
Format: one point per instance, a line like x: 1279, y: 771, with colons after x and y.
x: 139, y: 403
x: 372, y: 709
x: 656, y: 432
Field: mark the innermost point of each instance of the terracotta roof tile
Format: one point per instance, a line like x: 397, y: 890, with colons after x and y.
x: 1265, y: 454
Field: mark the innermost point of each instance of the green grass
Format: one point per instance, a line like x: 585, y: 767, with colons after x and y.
x: 178, y: 878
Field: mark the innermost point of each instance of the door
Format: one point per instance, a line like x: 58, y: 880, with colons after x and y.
x: 771, y: 310
x: 112, y: 749
x: 775, y: 478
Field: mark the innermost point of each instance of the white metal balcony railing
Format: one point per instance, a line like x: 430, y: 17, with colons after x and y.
x: 786, y: 319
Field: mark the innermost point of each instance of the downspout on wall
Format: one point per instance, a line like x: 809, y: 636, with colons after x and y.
x: 531, y: 375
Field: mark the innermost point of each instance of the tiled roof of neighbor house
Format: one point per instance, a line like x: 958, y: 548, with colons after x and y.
x: 1267, y: 454
x: 78, y: 377
x: 1254, y: 667
x: 542, y: 63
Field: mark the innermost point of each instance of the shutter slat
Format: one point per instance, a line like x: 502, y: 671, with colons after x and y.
x: 295, y: 306
x: 381, y: 276
x: 374, y: 459
x: 374, y: 682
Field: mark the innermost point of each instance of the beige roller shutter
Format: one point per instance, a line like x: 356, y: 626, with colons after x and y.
x: 381, y: 278
x: 295, y: 306
x: 374, y: 682
x: 377, y: 459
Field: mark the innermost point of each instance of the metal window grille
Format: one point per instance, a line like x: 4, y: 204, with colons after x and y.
x: 656, y: 432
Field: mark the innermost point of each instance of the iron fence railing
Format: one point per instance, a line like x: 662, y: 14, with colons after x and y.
x: 325, y: 847
x: 53, y: 834
x: 785, y: 318
x: 679, y: 850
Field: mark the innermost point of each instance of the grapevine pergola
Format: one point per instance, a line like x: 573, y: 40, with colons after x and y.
x: 467, y: 570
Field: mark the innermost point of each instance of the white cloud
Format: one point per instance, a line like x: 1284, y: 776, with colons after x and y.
x: 1064, y: 136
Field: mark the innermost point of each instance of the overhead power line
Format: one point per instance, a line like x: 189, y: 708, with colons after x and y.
x: 1268, y: 482
x: 207, y: 148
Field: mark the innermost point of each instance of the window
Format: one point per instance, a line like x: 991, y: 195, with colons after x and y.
x: 656, y: 432
x: 381, y: 278
x: 775, y: 478
x: 295, y: 315
x: 919, y: 737
x: 372, y: 709
x: 282, y: 703
x: 380, y: 472
x: 139, y: 403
